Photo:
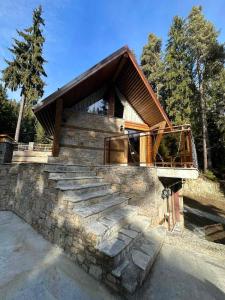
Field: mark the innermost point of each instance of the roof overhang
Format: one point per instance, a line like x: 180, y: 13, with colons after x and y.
x: 121, y: 69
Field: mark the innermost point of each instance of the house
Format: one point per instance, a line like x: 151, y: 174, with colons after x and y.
x: 115, y: 173
x: 111, y: 99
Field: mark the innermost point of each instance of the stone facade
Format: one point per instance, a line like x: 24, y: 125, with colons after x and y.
x: 82, y: 136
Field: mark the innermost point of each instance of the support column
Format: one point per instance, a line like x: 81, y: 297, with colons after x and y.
x: 58, y: 121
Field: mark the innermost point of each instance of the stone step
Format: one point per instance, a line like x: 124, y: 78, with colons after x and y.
x: 114, y: 250
x: 68, y: 181
x: 74, y: 190
x: 29, y: 159
x: 85, y: 199
x: 95, y: 211
x: 108, y: 226
x: 65, y: 168
x: 141, y: 258
x: 72, y: 174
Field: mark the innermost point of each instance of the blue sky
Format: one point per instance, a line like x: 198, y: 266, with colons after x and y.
x: 79, y: 33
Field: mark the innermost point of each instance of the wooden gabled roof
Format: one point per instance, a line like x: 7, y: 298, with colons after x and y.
x: 121, y: 69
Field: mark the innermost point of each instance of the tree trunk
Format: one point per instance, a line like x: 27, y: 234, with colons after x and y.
x: 209, y: 152
x: 18, y: 125
x: 204, y: 128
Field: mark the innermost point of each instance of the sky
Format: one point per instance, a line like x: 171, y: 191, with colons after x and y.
x: 79, y: 33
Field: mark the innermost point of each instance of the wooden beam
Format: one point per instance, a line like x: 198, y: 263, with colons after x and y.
x: 122, y: 62
x: 149, y: 157
x: 158, y: 139
x: 156, y: 126
x: 136, y: 126
x: 58, y: 122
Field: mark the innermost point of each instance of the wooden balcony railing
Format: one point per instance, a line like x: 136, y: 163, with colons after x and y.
x: 175, y: 149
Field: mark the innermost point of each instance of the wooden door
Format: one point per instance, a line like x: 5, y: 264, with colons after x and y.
x: 118, y: 151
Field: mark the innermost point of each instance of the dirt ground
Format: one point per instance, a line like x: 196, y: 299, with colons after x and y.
x: 213, y: 231
x: 214, y: 206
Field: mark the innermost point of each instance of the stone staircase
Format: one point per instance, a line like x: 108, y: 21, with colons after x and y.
x: 120, y: 242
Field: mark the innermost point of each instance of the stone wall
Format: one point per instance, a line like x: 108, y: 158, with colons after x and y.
x: 141, y: 185
x: 82, y: 136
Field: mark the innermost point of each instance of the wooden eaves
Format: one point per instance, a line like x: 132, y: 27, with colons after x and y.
x: 120, y: 69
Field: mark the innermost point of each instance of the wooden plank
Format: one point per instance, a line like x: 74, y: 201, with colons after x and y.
x: 158, y: 139
x: 58, y: 122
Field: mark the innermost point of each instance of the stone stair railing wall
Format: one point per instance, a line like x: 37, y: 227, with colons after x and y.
x: 91, y: 218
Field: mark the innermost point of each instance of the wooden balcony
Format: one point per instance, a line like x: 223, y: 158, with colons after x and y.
x: 167, y: 148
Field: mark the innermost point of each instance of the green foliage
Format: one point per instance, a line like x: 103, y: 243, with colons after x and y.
x: 8, y: 113
x: 190, y: 75
x: 25, y: 70
x: 151, y: 62
x: 41, y: 136
x: 210, y: 175
x: 177, y: 74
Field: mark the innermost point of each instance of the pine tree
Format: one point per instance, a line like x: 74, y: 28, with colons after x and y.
x: 216, y: 119
x: 8, y: 113
x: 151, y: 62
x: 205, y: 54
x: 25, y: 71
x: 177, y: 74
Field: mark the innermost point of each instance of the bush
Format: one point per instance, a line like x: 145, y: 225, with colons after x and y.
x: 210, y: 175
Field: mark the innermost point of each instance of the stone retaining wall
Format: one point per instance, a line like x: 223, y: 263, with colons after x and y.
x: 25, y: 190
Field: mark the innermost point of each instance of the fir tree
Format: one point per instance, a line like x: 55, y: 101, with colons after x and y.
x: 151, y: 62
x: 25, y: 71
x: 205, y: 53
x: 8, y: 113
x: 177, y: 74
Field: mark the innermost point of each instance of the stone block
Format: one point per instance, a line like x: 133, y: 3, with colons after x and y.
x: 80, y: 258
x: 96, y: 271
x: 140, y: 259
x: 128, y: 232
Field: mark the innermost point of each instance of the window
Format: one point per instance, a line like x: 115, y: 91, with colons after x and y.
x: 100, y: 107
x: 94, y: 103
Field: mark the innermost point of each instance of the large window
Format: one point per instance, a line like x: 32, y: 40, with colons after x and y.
x: 94, y: 103
x: 100, y: 107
